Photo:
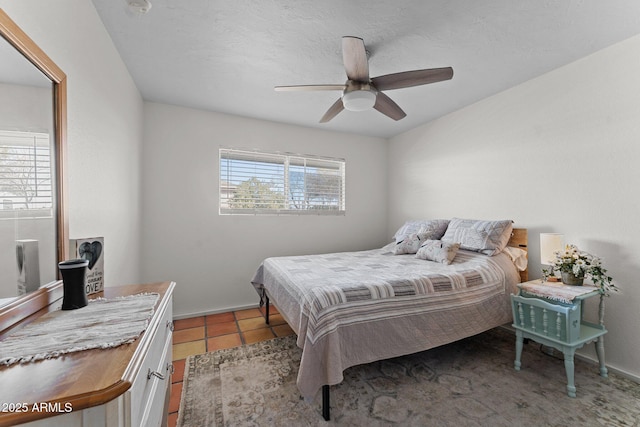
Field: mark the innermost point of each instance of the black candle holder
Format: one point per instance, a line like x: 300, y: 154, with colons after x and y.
x: 74, y: 279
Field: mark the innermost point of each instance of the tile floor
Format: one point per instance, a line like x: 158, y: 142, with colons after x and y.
x: 202, y: 334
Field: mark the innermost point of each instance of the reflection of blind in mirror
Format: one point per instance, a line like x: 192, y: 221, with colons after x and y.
x: 25, y: 171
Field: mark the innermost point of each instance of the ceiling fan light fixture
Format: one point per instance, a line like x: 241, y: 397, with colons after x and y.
x: 359, y: 100
x: 361, y: 92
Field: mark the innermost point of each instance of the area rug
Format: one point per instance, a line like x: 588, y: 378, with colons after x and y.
x: 468, y: 383
x: 103, y: 323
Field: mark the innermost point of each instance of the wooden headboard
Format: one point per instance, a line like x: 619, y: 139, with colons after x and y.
x: 519, y: 239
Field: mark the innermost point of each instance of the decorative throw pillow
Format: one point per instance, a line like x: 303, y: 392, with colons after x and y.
x: 438, y: 251
x: 410, y: 244
x: 487, y: 237
x: 435, y: 228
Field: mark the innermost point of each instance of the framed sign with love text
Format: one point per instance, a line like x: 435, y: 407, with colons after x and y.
x: 91, y: 249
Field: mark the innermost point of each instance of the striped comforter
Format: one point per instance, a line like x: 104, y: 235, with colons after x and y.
x: 357, y: 307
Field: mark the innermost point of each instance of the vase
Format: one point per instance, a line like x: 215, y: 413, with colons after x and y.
x: 74, y: 279
x: 568, y: 278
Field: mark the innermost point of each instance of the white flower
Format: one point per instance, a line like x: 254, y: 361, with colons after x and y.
x: 578, y: 267
x: 583, y: 264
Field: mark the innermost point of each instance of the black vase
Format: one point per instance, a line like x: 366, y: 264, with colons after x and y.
x: 74, y: 279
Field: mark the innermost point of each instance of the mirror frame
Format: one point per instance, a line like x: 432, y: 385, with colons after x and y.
x: 25, y: 305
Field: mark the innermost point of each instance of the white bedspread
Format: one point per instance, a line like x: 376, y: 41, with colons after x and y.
x: 356, y: 307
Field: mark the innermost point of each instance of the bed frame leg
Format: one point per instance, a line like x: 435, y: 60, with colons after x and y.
x: 266, y: 310
x: 325, y: 402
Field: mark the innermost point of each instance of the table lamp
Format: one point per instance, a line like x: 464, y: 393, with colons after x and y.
x: 549, y: 244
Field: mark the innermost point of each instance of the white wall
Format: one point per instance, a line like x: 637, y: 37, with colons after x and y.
x: 559, y: 153
x: 104, y: 127
x: 212, y: 257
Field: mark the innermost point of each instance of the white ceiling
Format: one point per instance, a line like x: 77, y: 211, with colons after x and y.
x: 227, y: 56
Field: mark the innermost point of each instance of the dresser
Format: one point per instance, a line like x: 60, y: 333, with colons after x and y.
x: 127, y: 385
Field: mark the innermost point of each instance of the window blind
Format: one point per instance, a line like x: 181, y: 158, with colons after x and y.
x: 253, y: 182
x: 25, y: 171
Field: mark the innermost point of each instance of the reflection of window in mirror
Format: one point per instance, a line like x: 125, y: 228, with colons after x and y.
x: 25, y: 174
x: 26, y: 192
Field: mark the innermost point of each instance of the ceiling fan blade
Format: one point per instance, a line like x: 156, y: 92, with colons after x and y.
x: 332, y: 111
x: 306, y: 88
x: 412, y: 78
x: 386, y: 106
x: 354, y: 57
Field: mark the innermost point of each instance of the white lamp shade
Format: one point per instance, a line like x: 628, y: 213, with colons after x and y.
x: 550, y: 243
x: 359, y: 100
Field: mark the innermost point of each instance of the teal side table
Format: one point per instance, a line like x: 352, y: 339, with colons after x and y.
x: 551, y: 314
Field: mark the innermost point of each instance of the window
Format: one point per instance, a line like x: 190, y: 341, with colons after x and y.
x: 25, y: 174
x: 253, y: 182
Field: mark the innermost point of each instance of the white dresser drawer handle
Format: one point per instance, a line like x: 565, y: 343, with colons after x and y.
x: 156, y: 374
x: 170, y: 325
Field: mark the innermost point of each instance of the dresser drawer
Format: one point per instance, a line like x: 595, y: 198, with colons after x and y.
x: 154, y: 406
x: 149, y: 384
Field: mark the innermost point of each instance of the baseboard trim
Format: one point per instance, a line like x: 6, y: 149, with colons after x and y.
x: 218, y: 311
x: 594, y: 362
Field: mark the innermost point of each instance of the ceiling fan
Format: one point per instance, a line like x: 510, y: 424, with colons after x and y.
x: 361, y: 92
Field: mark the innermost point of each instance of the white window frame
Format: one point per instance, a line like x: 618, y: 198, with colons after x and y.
x: 285, y: 196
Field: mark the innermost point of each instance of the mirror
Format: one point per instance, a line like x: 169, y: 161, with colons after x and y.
x: 33, y: 224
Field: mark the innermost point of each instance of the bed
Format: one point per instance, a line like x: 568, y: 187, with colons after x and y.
x: 352, y: 308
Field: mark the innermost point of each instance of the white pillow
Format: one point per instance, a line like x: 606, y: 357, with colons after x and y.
x: 487, y: 237
x: 518, y: 256
x: 435, y: 228
x: 438, y: 251
x: 410, y: 244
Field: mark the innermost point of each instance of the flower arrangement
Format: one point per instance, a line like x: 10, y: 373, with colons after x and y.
x: 581, y: 264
